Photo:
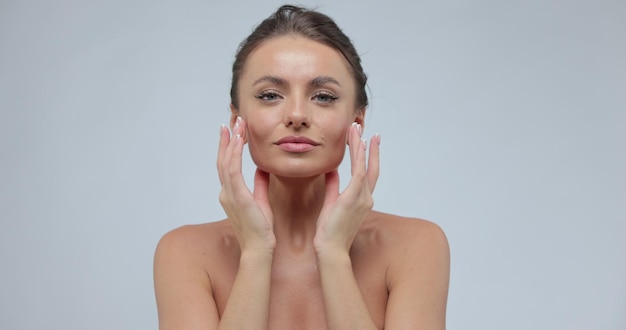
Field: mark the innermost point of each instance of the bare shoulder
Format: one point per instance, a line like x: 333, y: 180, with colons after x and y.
x: 400, y: 233
x: 417, y: 260
x: 192, y: 250
x: 404, y: 244
x: 182, y: 277
x: 192, y: 241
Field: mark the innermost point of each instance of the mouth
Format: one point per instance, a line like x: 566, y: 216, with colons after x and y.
x: 296, y: 144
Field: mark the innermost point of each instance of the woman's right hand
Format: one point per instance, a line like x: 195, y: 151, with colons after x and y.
x: 248, y: 212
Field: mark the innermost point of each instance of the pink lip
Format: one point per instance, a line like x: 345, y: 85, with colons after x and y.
x: 296, y: 144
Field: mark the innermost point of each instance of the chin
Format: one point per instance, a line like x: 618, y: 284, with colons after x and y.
x: 297, y: 168
x: 296, y: 172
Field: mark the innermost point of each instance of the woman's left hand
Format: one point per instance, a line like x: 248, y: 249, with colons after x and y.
x: 343, y: 213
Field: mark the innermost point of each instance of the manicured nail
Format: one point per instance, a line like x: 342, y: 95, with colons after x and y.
x: 377, y: 137
x: 364, y: 143
x: 358, y: 126
x: 237, y: 122
x: 237, y: 137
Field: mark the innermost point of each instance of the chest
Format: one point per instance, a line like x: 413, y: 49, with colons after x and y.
x: 296, y: 300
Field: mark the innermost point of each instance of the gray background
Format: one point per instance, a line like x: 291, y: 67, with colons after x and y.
x: 502, y: 121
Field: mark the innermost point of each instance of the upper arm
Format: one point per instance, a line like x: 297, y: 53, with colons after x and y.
x: 418, y: 278
x: 182, y: 286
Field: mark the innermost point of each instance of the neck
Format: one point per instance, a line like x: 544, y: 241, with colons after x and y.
x: 296, y: 205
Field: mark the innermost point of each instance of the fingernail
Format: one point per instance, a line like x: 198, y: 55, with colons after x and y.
x: 237, y: 122
x: 377, y: 137
x: 364, y: 143
x: 237, y: 137
x: 358, y: 126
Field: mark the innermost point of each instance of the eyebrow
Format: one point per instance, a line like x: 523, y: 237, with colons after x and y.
x: 317, y: 81
x: 271, y: 79
x: 323, y: 80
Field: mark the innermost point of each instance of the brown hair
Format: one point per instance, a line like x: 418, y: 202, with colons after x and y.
x: 307, y: 23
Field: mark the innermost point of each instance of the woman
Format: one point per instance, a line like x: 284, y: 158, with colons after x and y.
x: 295, y: 253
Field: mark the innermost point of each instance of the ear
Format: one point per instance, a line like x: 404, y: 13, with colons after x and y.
x: 234, y: 113
x: 360, y: 117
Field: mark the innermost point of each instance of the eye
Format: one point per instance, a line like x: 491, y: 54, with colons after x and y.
x: 268, y: 96
x: 324, y: 97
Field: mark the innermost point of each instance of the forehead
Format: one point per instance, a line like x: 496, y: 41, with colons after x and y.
x: 296, y: 58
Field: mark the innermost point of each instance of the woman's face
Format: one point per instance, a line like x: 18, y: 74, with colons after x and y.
x: 297, y: 97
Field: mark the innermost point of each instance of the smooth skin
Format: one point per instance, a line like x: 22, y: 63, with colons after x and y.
x: 295, y: 253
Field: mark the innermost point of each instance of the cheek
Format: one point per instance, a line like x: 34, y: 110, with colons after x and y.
x: 257, y: 127
x: 337, y: 130
x: 336, y: 139
x: 256, y: 138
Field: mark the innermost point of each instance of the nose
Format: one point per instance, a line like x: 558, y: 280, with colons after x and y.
x: 297, y: 115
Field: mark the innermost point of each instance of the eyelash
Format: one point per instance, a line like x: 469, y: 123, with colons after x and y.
x: 271, y: 96
x: 331, y: 98
x: 265, y: 95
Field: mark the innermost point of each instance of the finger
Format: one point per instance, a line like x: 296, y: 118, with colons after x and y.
x: 373, y: 162
x: 223, y: 144
x: 350, y: 139
x: 360, y: 165
x: 354, y: 142
x: 234, y: 155
x: 226, y: 161
x: 358, y: 180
